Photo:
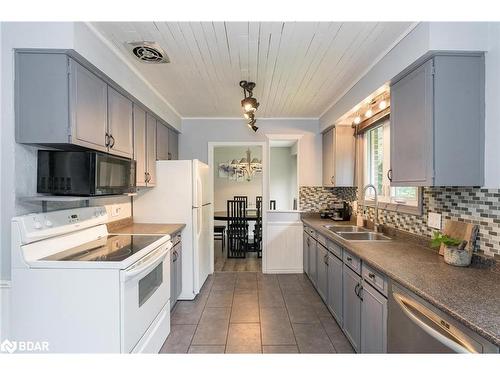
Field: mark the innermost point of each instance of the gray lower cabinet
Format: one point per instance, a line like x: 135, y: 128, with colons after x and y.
x: 175, y: 271
x: 305, y: 253
x: 352, y: 307
x: 120, y: 124
x: 373, y: 320
x: 334, y: 296
x: 313, y: 274
x: 442, y: 98
x: 322, y: 271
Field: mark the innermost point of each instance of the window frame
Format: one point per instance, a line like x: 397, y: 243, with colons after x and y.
x: 369, y: 199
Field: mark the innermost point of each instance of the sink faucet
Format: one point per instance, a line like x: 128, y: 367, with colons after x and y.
x: 375, y: 221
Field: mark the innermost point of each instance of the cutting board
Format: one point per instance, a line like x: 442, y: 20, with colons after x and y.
x: 461, y: 231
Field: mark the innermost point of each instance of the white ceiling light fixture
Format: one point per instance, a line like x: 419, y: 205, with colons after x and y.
x: 382, y: 105
x: 369, y: 113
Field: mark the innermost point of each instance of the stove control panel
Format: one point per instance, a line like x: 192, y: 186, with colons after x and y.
x: 38, y: 226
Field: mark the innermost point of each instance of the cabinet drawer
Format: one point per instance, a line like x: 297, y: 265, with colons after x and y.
x: 334, y: 249
x: 375, y: 278
x: 321, y: 239
x: 352, y: 261
x: 310, y: 232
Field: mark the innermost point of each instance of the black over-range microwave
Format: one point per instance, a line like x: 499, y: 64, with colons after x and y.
x: 86, y: 173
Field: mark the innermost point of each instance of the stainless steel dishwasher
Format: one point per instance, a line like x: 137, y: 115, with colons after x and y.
x: 415, y: 326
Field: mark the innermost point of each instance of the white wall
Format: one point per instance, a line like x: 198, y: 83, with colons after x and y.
x: 196, y: 133
x: 225, y: 189
x: 282, y: 177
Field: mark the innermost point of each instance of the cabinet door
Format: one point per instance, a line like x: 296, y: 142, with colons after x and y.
x: 322, y: 260
x: 351, y: 307
x: 173, y: 145
x: 411, y: 128
x: 162, y: 133
x: 305, y: 253
x: 373, y: 321
x: 120, y: 124
x: 313, y: 276
x: 334, y: 299
x: 140, y: 145
x: 173, y: 279
x: 329, y: 158
x: 178, y: 266
x: 88, y: 108
x: 344, y: 158
x: 151, y: 149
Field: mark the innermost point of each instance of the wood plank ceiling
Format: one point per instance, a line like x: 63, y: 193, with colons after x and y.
x: 300, y: 68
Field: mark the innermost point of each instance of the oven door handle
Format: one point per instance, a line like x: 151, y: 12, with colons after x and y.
x: 148, y: 264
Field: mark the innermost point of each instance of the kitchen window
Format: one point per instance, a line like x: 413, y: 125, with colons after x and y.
x: 376, y: 164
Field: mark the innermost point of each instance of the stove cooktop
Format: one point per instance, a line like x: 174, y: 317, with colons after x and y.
x: 114, y: 248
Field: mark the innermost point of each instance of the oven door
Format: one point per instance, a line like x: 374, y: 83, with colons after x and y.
x: 145, y: 291
x: 113, y: 175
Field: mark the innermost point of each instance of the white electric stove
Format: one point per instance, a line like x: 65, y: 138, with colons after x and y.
x: 81, y: 290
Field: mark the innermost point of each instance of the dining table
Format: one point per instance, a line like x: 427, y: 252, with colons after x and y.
x: 222, y: 215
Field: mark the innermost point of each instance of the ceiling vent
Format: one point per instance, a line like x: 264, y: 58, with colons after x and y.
x: 148, y: 52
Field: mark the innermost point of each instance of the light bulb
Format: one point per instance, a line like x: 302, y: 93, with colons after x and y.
x: 357, y: 120
x: 382, y: 104
x: 368, y: 113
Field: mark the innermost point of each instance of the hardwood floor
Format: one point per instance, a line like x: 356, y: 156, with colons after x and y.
x: 251, y: 312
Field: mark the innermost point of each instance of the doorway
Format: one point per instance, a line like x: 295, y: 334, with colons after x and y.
x: 237, y: 174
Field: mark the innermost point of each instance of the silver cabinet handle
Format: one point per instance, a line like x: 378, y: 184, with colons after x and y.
x: 169, y: 157
x: 356, y: 289
x: 106, y: 140
x: 113, y: 141
x: 332, y: 180
x: 359, y: 292
x: 371, y: 275
x: 389, y: 174
x: 349, y: 259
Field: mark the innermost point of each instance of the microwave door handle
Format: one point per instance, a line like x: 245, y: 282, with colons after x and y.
x: 456, y: 346
x: 148, y: 266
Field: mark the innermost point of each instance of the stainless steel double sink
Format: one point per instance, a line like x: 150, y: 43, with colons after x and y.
x: 354, y: 233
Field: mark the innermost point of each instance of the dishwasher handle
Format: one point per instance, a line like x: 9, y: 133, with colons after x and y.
x: 432, y: 324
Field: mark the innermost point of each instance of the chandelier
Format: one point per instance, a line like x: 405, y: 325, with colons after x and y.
x: 249, y: 104
x: 247, y: 166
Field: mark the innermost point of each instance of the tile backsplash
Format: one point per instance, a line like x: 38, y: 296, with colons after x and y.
x: 316, y: 198
x: 469, y: 204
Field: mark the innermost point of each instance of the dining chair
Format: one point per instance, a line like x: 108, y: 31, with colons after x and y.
x: 237, y: 229
x: 258, y: 201
x: 220, y: 234
x: 257, y: 232
x: 241, y: 198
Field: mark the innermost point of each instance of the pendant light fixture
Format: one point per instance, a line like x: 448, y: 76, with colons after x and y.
x: 249, y: 104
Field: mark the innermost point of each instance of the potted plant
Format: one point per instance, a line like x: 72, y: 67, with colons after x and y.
x: 455, y: 252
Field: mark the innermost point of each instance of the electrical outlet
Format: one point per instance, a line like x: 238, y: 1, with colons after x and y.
x: 434, y: 220
x: 115, y: 210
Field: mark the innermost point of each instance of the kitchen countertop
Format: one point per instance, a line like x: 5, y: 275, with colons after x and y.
x: 127, y: 226
x: 470, y: 295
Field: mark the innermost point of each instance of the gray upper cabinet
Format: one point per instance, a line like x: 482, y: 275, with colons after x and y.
x: 373, y: 321
x: 120, y: 127
x: 173, y: 145
x: 162, y: 133
x: 338, y: 156
x: 88, y: 108
x: 151, y: 149
x: 140, y: 145
x: 351, y: 307
x: 437, y: 123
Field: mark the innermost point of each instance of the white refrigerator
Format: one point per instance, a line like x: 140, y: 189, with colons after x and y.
x: 181, y: 195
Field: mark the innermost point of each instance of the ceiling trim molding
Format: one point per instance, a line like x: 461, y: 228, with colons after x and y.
x: 120, y: 55
x: 370, y: 67
x: 258, y: 118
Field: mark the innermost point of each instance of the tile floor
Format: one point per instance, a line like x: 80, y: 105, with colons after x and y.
x: 223, y: 264
x: 250, y: 312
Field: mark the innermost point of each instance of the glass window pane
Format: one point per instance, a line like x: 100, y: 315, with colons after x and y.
x: 376, y: 157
